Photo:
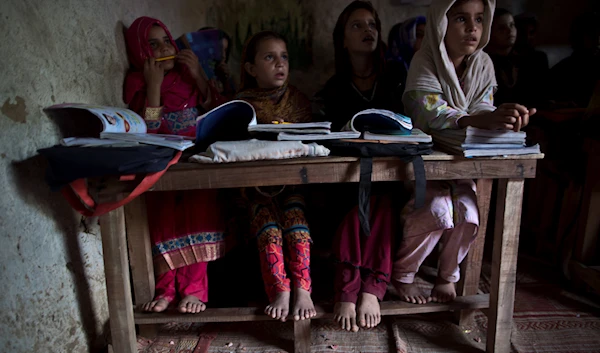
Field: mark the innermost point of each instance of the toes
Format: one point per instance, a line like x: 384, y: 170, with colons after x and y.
x: 353, y: 324
x: 362, y: 320
x: 284, y: 315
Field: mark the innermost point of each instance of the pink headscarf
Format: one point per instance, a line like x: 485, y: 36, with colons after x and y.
x: 178, y: 90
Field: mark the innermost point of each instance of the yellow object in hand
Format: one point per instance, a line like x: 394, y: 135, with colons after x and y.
x: 165, y: 58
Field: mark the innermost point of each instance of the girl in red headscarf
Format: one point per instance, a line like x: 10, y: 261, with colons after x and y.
x: 169, y: 93
x: 187, y: 228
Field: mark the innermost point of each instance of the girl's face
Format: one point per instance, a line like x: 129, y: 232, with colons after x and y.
x: 161, y: 46
x: 420, y: 34
x: 465, y: 25
x: 504, y: 32
x: 271, y: 66
x: 360, y: 34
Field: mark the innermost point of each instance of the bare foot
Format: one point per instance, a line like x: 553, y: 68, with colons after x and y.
x: 443, y: 291
x: 345, y: 315
x: 303, y: 305
x: 280, y: 307
x: 156, y: 306
x: 409, y: 292
x: 191, y: 305
x: 368, y: 311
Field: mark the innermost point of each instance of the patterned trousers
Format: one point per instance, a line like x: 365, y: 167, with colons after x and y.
x: 273, y: 226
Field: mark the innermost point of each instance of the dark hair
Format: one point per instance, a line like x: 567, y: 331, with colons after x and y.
x: 342, y: 57
x: 224, y: 35
x: 393, y: 34
x: 501, y: 12
x: 249, y: 55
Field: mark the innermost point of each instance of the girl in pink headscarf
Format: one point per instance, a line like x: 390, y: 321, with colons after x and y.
x: 187, y: 228
x: 168, y: 94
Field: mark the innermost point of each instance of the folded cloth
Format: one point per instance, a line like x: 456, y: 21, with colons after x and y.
x: 257, y: 150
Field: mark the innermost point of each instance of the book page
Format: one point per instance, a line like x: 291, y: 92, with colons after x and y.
x: 119, y: 120
x: 110, y: 119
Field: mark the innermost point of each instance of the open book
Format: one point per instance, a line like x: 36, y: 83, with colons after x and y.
x: 93, y: 125
x: 385, y: 125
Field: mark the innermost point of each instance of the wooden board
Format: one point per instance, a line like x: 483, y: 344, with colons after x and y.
x: 256, y: 314
x: 118, y: 289
x: 302, y: 337
x: 335, y: 170
x: 471, y: 265
x: 140, y: 255
x: 504, y: 264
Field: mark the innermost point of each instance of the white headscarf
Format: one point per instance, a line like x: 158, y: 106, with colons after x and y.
x: 431, y: 69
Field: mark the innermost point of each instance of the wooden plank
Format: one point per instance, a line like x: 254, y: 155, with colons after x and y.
x: 504, y: 264
x: 309, y: 172
x: 140, y: 251
x: 435, y: 156
x: 140, y: 257
x: 480, y: 301
x: 302, y: 338
x: 118, y: 289
x: 471, y: 266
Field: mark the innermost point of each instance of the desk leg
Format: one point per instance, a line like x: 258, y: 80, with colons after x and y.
x: 302, y: 338
x: 471, y: 266
x: 140, y: 257
x: 504, y: 264
x: 116, y: 270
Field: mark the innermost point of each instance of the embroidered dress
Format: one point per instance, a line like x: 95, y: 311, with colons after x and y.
x: 187, y: 228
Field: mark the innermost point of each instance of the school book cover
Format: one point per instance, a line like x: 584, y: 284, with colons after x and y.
x: 207, y: 46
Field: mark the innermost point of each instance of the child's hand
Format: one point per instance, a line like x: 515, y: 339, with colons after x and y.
x: 189, y: 59
x: 153, y: 73
x: 508, y: 116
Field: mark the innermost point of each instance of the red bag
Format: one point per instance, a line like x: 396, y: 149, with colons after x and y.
x: 78, y: 196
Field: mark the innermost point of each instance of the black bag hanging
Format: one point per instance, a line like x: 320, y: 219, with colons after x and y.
x: 66, y: 164
x: 408, y: 153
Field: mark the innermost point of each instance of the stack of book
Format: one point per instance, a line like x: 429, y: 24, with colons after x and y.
x: 474, y: 142
x: 302, y: 131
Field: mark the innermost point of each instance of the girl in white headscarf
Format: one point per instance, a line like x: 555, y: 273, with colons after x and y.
x: 451, y: 84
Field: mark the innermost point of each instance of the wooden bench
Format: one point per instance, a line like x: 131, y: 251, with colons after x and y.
x: 127, y: 228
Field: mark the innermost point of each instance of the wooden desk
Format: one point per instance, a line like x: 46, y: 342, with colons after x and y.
x: 128, y: 226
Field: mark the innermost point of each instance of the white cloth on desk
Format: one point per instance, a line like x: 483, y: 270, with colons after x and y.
x: 256, y: 150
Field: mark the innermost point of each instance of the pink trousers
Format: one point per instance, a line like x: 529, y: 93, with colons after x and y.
x: 450, y: 215
x: 187, y: 280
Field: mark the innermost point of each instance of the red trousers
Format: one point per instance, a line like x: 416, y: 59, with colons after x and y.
x: 188, y: 280
x: 271, y: 236
x: 365, y: 262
